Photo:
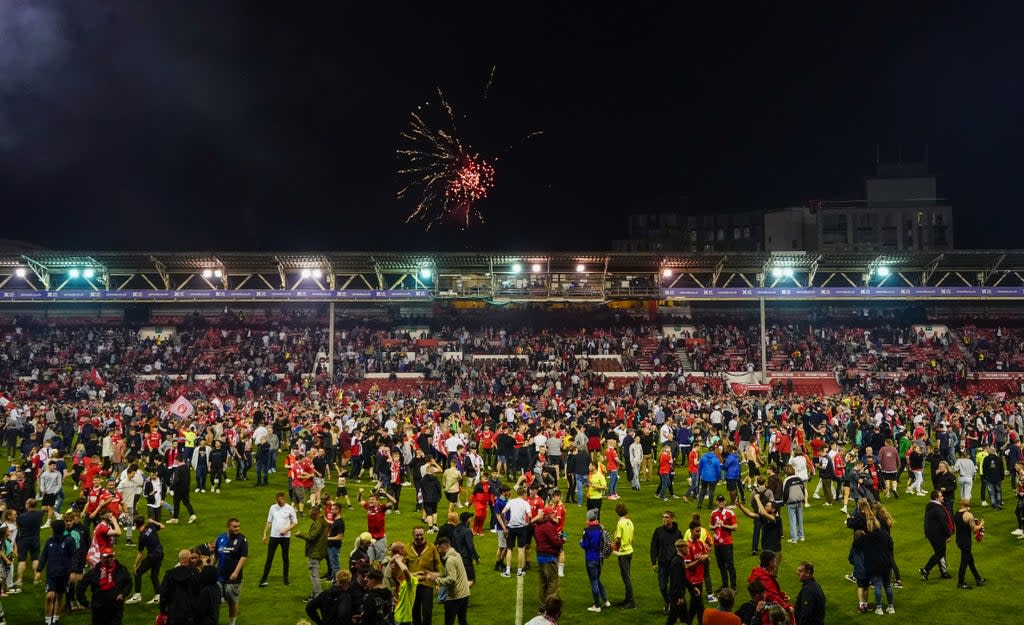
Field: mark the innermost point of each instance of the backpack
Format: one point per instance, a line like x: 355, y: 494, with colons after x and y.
x: 378, y: 608
x: 606, y: 544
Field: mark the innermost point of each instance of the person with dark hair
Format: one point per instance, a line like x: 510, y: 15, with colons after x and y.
x: 454, y: 581
x: 57, y: 558
x: 765, y: 573
x: 110, y: 583
x: 722, y: 615
x: 281, y: 520
x: 938, y: 527
x: 316, y: 548
x: 550, y: 612
x: 378, y: 602
x: 232, y: 554
x: 150, y: 557
x: 967, y: 526
x: 810, y: 601
x: 623, y: 548
x: 462, y: 541
x: 747, y: 612
x: 181, y: 484
x: 179, y: 591
x: 338, y: 604
x: 591, y: 545
x: 663, y: 549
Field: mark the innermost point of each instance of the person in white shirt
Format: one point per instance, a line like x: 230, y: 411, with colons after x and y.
x: 281, y: 520
x: 517, y: 514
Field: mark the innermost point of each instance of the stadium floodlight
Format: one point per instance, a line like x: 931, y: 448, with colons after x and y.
x: 217, y: 273
x: 883, y: 271
x: 516, y: 268
x: 787, y: 272
x: 536, y: 267
x: 307, y: 273
x: 425, y: 273
x: 317, y: 274
x: 89, y: 273
x: 666, y: 273
x: 580, y: 268
x: 207, y: 273
x: 20, y: 272
x: 74, y: 273
x: 776, y: 273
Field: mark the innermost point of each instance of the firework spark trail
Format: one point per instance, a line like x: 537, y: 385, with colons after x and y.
x: 490, y: 81
x: 452, y: 179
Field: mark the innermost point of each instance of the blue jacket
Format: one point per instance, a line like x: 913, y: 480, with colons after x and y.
x: 684, y: 436
x: 710, y: 467
x: 591, y: 542
x: 732, y: 467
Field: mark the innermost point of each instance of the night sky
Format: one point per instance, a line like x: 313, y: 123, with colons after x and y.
x: 257, y: 125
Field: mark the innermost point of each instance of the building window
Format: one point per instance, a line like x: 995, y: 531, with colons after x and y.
x: 721, y: 234
x: 746, y: 232
x: 736, y: 232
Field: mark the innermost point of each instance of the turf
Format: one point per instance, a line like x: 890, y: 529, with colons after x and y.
x: 936, y: 602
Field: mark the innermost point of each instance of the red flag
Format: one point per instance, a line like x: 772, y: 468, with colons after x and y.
x: 96, y: 378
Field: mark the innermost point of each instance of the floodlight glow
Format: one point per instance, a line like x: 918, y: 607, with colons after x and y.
x: 306, y: 273
x: 787, y: 272
x: 217, y: 273
x: 74, y: 274
x: 425, y: 273
x: 776, y: 273
x: 536, y: 267
x: 207, y: 273
x: 317, y: 274
x: 666, y: 273
x: 20, y: 272
x: 580, y: 268
x: 89, y: 273
x: 516, y: 268
x: 883, y: 271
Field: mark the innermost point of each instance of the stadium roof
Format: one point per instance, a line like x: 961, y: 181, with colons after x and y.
x: 501, y: 275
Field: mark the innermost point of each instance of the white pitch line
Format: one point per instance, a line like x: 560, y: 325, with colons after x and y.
x: 519, y: 599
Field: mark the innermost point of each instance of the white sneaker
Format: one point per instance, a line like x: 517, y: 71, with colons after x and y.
x: 171, y: 521
x: 192, y: 519
x: 155, y: 600
x: 227, y: 480
x: 594, y: 608
x: 607, y: 604
x: 890, y: 610
x: 712, y: 598
x: 879, y: 611
x: 44, y: 525
x: 218, y: 490
x: 1018, y: 532
x: 134, y: 598
x: 202, y: 490
x: 197, y: 490
x: 984, y: 503
x: 817, y: 496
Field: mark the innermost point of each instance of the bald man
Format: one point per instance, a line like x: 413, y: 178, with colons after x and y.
x: 180, y: 590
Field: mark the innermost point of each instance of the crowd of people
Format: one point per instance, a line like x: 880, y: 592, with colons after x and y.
x: 502, y: 448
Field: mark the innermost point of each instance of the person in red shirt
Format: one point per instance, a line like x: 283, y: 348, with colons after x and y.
x: 376, y: 508
x: 723, y: 524
x: 611, y: 460
x: 693, y: 468
x: 555, y: 512
x: 487, y: 444
x: 695, y: 562
x: 102, y: 537
x: 93, y: 467
x: 665, y: 472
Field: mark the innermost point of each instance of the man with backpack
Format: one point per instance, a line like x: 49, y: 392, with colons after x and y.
x: 337, y: 605
x: 378, y: 603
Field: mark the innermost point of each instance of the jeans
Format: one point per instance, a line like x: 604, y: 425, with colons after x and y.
x: 625, y: 564
x: 636, y: 476
x: 965, y: 485
x: 455, y: 608
x: 333, y: 561
x: 663, y: 485
x: 613, y: 482
x: 313, y: 564
x: 708, y: 489
x: 995, y: 494
x: 879, y: 583
x: 582, y: 480
x: 663, y: 576
x: 596, y: 587
x: 757, y: 535
x: 694, y: 490
x: 272, y: 546
x: 201, y: 477
x: 796, y: 520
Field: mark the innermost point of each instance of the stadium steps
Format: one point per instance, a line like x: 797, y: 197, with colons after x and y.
x: 684, y: 360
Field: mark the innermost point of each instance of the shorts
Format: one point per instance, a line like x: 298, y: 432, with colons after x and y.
x: 57, y: 584
x: 298, y: 494
x: 232, y: 592
x: 341, y: 492
x: 28, y: 550
x: 890, y: 476
x: 452, y: 497
x: 529, y: 535
x: 518, y: 536
x: 752, y: 469
x: 318, y: 484
x: 732, y: 485
x: 429, y: 507
x: 49, y: 500
x: 503, y: 459
x: 502, y: 541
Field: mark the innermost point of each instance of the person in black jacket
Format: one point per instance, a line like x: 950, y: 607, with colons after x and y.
x: 462, y: 541
x: 663, y: 549
x: 992, y: 473
x: 938, y: 527
x: 207, y: 605
x: 338, y: 604
x: 181, y: 485
x: 430, y: 489
x: 111, y: 583
x: 810, y: 601
x: 179, y: 591
x: 678, y: 585
x: 57, y: 557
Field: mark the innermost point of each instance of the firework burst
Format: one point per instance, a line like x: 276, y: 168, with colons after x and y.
x: 450, y: 178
